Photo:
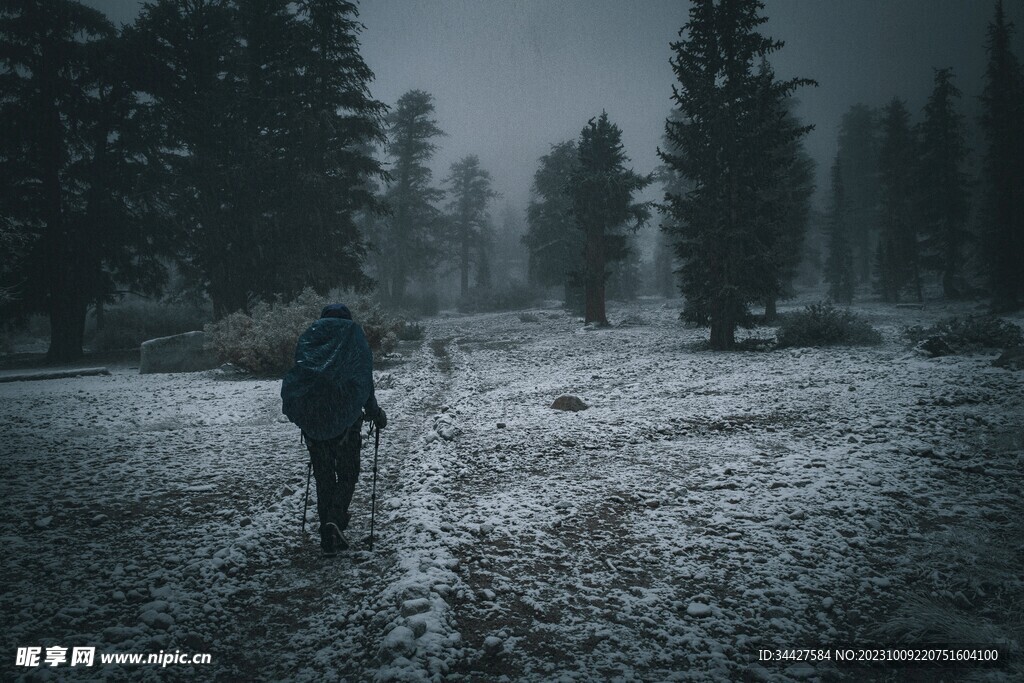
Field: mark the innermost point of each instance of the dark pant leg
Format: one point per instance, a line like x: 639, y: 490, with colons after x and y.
x: 336, y: 468
x: 326, y: 484
x: 347, y: 469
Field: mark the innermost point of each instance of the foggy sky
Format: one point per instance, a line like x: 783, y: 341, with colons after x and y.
x: 512, y: 77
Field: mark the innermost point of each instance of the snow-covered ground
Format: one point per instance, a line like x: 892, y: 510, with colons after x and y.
x: 704, y: 507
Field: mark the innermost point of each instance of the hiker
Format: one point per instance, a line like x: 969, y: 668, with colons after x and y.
x: 328, y: 394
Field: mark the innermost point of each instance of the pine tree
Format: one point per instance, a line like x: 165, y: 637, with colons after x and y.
x: 898, y: 252
x: 787, y: 199
x: 602, y: 191
x: 727, y: 132
x: 839, y: 261
x: 859, y: 145
x: 1003, y: 113
x: 68, y: 160
x: 555, y: 247
x: 469, y: 190
x: 942, y: 185
x: 330, y: 170
x: 181, y: 52
x: 410, y: 239
x: 665, y: 262
x: 264, y: 124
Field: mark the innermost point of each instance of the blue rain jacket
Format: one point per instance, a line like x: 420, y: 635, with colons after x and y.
x: 332, y: 380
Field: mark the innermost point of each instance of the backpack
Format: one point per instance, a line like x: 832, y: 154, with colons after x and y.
x: 325, y: 391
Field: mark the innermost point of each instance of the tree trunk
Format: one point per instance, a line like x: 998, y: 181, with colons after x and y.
x: 723, y: 330
x: 67, y: 328
x: 771, y: 312
x: 464, y: 264
x: 593, y: 279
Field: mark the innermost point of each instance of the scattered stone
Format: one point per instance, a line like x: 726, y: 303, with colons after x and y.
x: 776, y: 612
x: 698, y: 610
x: 244, y: 522
x: 827, y: 602
x: 570, y: 403
x: 98, y: 519
x: 756, y: 672
x: 287, y: 491
x: 734, y: 536
x: 417, y: 606
x: 119, y: 596
x: 492, y: 644
x: 44, y: 522
x: 399, y: 642
x: 445, y: 427
x: 798, y: 515
x: 501, y: 425
x: 653, y: 503
x: 418, y: 624
x: 801, y: 670
x: 159, y: 620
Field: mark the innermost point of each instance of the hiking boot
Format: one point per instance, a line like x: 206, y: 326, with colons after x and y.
x: 337, y: 539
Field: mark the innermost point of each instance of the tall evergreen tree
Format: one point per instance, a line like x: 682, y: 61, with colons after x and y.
x: 469, y: 190
x: 410, y: 240
x: 329, y: 163
x: 839, y: 271
x: 898, y: 249
x: 665, y: 261
x: 1002, y: 117
x: 787, y: 199
x: 554, y: 245
x: 602, y: 191
x: 67, y: 161
x: 942, y: 185
x: 727, y: 132
x: 859, y: 147
x: 265, y: 125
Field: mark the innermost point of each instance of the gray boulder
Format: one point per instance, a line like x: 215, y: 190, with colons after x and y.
x: 177, y: 353
x: 570, y: 403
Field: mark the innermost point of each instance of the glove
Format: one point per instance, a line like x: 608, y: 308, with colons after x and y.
x: 381, y: 419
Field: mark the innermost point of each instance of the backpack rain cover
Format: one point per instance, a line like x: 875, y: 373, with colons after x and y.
x: 324, y: 393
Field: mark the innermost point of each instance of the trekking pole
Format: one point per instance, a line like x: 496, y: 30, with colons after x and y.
x: 305, y: 506
x: 373, y: 495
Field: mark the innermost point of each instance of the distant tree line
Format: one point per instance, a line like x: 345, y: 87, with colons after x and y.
x: 905, y: 204
x: 237, y: 142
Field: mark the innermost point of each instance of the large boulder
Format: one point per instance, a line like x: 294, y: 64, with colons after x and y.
x: 177, y: 353
x: 570, y: 403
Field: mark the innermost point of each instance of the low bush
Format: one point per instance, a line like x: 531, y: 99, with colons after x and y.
x: 823, y: 324
x: 511, y: 296
x: 964, y: 335
x: 264, y: 341
x: 410, y: 331
x: 128, y: 324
